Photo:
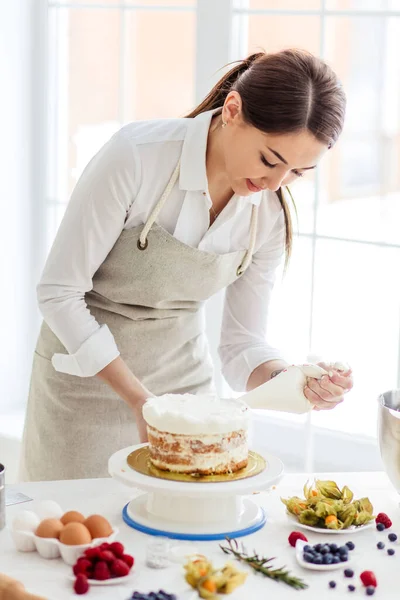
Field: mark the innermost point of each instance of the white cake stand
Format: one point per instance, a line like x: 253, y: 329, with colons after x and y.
x: 193, y: 511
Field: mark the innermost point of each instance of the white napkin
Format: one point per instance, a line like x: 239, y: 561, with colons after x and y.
x: 285, y: 391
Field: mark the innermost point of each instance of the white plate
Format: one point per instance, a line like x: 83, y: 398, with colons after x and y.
x: 349, y: 530
x: 299, y: 557
x: 113, y: 581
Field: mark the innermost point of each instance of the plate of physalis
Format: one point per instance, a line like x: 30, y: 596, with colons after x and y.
x: 201, y: 575
x: 326, y: 508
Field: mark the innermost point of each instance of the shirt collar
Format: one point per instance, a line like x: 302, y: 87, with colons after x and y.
x: 193, y: 175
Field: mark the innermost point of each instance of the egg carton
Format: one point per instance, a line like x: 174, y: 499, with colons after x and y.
x: 27, y: 541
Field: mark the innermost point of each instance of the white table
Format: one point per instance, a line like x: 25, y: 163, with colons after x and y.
x: 106, y: 496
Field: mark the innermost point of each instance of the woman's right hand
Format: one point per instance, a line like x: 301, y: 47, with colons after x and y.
x: 118, y: 376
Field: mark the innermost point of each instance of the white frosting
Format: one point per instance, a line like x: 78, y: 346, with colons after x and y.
x: 195, y: 414
x: 285, y: 392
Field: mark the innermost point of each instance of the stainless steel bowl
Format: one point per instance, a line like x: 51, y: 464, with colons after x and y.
x: 389, y: 434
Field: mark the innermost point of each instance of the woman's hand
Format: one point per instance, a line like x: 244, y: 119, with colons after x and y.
x: 118, y: 376
x: 326, y: 393
x: 140, y: 422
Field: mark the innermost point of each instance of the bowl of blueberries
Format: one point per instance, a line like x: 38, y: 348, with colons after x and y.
x: 323, y: 557
x: 160, y: 595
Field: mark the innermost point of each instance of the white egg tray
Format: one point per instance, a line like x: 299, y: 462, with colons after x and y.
x: 27, y: 541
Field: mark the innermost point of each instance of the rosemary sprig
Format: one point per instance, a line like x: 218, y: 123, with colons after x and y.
x: 260, y: 565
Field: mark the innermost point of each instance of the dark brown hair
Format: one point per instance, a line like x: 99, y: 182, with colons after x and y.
x: 282, y: 93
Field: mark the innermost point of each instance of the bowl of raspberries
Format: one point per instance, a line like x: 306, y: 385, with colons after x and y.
x: 106, y: 564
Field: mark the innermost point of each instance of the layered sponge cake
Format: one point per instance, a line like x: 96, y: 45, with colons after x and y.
x: 197, y: 434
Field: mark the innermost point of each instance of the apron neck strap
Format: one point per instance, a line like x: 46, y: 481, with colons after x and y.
x: 142, y: 243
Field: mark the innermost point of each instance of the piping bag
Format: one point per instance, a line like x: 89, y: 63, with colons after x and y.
x: 285, y: 392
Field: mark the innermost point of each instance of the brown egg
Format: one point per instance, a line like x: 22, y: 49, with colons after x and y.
x: 98, y: 526
x: 49, y: 528
x: 75, y: 534
x: 72, y: 516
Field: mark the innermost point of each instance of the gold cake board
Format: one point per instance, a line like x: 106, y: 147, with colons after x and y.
x: 139, y: 461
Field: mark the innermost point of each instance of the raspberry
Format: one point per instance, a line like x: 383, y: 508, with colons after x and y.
x: 383, y: 518
x: 117, y: 548
x: 82, y: 566
x: 128, y: 559
x: 101, y: 571
x: 368, y: 578
x: 104, y: 546
x: 81, y: 585
x: 119, y: 568
x: 294, y: 536
x: 93, y: 552
x: 107, y: 556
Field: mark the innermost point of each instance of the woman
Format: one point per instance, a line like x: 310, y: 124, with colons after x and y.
x: 168, y: 213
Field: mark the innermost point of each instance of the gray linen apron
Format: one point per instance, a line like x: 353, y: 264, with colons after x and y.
x: 150, y: 291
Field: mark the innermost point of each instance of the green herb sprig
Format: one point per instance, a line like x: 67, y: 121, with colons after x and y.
x: 260, y: 565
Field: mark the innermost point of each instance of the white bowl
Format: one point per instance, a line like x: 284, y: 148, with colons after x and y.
x: 306, y: 565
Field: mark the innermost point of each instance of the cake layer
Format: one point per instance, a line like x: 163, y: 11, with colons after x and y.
x: 195, y: 414
x: 202, y: 454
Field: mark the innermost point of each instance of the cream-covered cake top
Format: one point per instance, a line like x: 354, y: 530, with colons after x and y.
x: 195, y: 414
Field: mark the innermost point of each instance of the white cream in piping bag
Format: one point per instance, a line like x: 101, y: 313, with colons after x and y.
x: 285, y: 392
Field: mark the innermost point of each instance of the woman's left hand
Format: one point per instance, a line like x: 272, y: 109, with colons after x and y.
x: 326, y: 393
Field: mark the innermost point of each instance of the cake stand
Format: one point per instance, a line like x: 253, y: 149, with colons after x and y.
x: 193, y: 510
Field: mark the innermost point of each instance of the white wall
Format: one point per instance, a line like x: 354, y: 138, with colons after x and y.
x: 20, y: 152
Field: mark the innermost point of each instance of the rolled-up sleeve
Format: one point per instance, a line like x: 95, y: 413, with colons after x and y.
x: 92, y: 223
x: 244, y: 345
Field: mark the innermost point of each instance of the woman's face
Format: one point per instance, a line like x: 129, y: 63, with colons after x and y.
x: 255, y: 160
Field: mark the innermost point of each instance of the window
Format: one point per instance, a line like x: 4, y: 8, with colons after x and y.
x: 114, y: 61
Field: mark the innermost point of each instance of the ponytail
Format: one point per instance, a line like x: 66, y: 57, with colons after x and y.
x: 216, y: 97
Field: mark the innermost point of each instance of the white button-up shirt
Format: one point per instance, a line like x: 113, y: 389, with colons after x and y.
x: 117, y: 190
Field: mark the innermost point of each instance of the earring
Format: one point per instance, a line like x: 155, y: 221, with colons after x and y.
x: 223, y: 124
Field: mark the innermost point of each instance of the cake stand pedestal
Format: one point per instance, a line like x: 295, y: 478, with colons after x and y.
x: 193, y: 510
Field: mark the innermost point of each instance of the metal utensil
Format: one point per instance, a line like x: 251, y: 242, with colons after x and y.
x: 389, y: 434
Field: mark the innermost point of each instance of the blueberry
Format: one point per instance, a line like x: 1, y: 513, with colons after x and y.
x: 318, y: 547
x: 351, y: 588
x: 344, y: 557
x: 333, y: 548
x: 370, y: 590
x: 307, y: 548
x: 343, y: 550
x: 348, y: 573
x: 327, y: 559
x: 336, y: 559
x: 392, y: 537
x: 350, y: 545
x: 390, y: 551
x: 380, y: 527
x: 318, y: 560
x: 308, y: 557
x: 380, y: 545
x: 332, y: 584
